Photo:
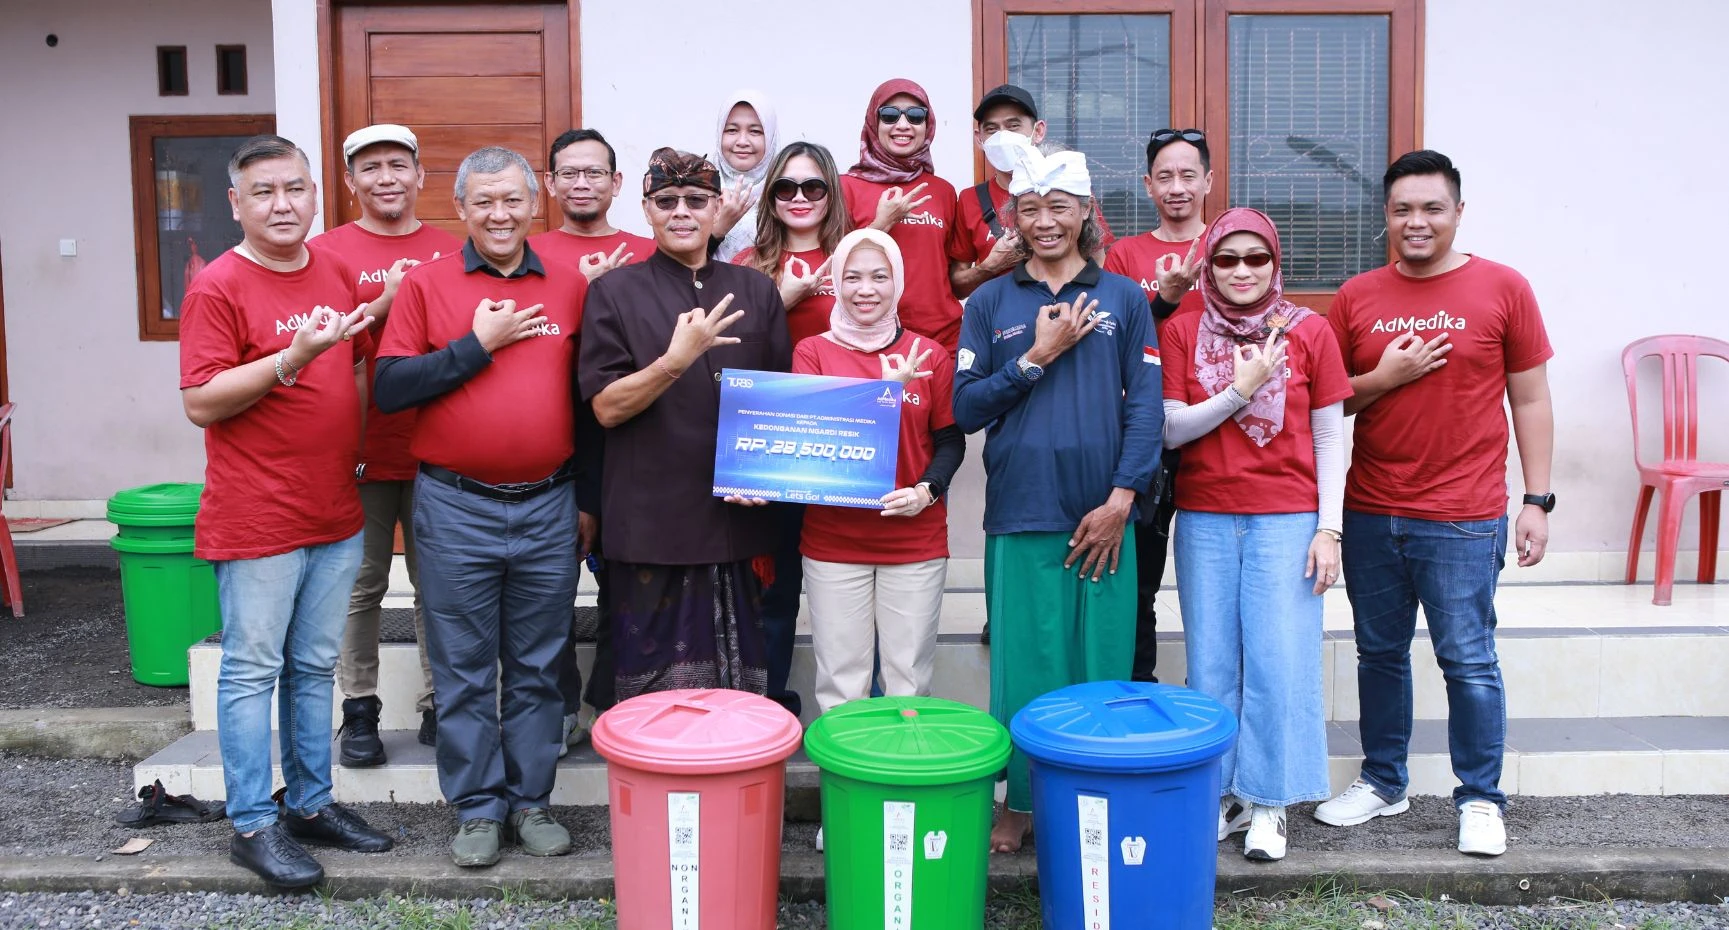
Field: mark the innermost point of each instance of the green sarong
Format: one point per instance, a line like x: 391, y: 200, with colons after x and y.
x: 1051, y: 628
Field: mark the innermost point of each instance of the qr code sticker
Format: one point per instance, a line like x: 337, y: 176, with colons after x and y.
x: 898, y: 842
x: 683, y: 836
x: 1092, y: 836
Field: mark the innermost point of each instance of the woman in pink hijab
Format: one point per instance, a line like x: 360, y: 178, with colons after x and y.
x: 1254, y: 395
x: 893, y: 188
x: 874, y: 577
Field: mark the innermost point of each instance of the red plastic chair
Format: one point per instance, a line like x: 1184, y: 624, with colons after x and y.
x: 14, y: 589
x: 1680, y: 475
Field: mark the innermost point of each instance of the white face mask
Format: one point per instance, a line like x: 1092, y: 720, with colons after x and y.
x: 1005, y: 149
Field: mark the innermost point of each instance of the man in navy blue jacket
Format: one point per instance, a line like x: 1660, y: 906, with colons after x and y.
x: 1059, y: 364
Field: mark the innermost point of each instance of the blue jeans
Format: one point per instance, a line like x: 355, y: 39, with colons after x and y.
x: 282, y: 622
x: 1252, y: 635
x: 1392, y: 564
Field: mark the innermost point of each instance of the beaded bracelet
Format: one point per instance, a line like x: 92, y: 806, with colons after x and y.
x: 286, y: 380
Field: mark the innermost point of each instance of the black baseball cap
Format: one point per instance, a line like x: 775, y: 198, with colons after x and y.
x: 1006, y: 93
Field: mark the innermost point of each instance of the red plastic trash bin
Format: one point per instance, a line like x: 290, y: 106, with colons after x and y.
x: 697, y: 780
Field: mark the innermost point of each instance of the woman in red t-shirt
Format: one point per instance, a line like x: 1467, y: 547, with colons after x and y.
x: 874, y: 578
x: 1254, y: 395
x: 798, y: 224
x: 894, y: 188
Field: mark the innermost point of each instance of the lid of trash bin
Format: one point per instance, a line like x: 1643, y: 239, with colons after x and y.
x: 908, y: 741
x: 173, y: 500
x: 1124, y: 726
x: 697, y: 732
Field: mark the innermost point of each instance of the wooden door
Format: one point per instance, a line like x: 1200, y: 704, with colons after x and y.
x: 461, y: 76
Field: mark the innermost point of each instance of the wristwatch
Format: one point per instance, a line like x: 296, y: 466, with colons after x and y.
x: 1028, y: 370
x: 1545, y: 501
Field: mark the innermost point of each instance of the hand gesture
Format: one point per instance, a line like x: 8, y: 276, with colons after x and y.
x: 1408, y: 358
x: 1098, y: 540
x: 734, y: 203
x: 905, y: 368
x: 1323, y: 565
x: 1176, y: 280
x: 698, y: 330
x: 499, y: 324
x: 907, y: 502
x: 393, y: 277
x: 1004, y: 253
x: 598, y: 263
x: 798, y: 281
x: 1059, y: 326
x: 1531, y: 535
x: 1255, y: 364
x: 894, y: 205
x: 323, y: 329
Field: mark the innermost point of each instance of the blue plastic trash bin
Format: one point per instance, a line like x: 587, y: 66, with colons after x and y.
x: 1125, y: 779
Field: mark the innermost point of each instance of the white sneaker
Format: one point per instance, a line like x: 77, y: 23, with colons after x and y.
x: 1233, y: 817
x: 1481, y: 830
x: 1266, y: 839
x: 1358, y: 804
x: 574, y: 734
x: 819, y: 839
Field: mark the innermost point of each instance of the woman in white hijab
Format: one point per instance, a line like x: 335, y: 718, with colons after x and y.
x: 746, y: 145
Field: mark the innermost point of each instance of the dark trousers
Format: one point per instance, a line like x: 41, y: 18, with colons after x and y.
x: 600, y: 693
x: 497, y: 581
x: 780, y: 605
x: 1152, y: 545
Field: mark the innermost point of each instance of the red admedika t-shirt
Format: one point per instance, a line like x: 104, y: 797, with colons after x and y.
x: 1436, y: 449
x: 368, y: 256
x: 979, y: 238
x: 279, y: 475
x: 811, y: 316
x: 570, y: 248
x: 1141, y: 258
x: 855, y: 535
x: 1224, y: 471
x: 930, y: 237
x: 514, y: 421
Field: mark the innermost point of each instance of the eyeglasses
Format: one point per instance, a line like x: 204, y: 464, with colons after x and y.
x: 1253, y: 260
x: 1163, y: 136
x: 889, y: 116
x: 595, y: 175
x: 666, y: 203
x: 813, y: 189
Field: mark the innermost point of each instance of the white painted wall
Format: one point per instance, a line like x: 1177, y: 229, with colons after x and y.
x: 98, y: 410
x: 1589, y: 135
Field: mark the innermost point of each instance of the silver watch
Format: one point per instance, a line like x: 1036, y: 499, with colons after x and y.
x: 1028, y: 370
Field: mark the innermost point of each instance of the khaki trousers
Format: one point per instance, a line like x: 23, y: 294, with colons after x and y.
x: 857, y: 611
x: 386, y: 503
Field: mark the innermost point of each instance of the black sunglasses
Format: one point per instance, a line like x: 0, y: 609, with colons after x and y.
x: 814, y: 189
x: 1163, y: 136
x: 888, y: 116
x: 666, y: 203
x: 1253, y: 260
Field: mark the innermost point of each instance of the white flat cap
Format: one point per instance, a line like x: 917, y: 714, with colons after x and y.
x: 380, y: 132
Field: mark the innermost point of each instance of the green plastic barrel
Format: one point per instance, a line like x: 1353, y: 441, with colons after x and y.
x: 170, y: 594
x: 907, y: 789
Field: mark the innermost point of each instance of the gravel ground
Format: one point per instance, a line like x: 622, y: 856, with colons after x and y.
x: 70, y: 648
x: 306, y: 912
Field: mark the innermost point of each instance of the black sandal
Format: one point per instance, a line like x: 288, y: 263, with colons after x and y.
x: 157, y: 806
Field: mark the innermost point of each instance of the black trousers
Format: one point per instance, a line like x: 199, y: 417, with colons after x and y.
x: 1152, y: 545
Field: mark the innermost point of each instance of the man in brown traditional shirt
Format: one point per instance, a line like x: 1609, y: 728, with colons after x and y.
x: 655, y: 336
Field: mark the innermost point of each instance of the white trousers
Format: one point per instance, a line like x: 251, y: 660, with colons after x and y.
x: 857, y: 609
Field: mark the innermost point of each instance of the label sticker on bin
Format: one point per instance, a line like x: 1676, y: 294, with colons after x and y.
x: 683, y: 821
x: 897, y: 865
x: 1134, y: 850
x: 935, y: 842
x: 1095, y: 862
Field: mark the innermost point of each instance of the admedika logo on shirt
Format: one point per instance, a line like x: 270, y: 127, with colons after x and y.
x: 1441, y: 320
x: 923, y: 219
x: 293, y: 323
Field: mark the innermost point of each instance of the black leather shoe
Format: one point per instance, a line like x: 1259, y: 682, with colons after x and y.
x: 361, y: 747
x: 428, y: 728
x: 339, y: 827
x: 274, y: 856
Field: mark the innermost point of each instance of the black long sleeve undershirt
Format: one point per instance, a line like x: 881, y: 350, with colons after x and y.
x: 950, y: 449
x: 412, y: 380
x: 1162, y: 310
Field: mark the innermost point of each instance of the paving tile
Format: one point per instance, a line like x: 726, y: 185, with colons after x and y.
x: 1693, y: 734
x: 1553, y: 735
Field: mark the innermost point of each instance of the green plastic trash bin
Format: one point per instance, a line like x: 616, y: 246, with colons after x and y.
x: 170, y: 595
x: 907, y: 789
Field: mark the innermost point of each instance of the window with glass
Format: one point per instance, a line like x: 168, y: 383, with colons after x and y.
x: 180, y: 206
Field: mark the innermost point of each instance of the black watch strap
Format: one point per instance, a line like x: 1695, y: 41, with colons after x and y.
x: 1545, y: 501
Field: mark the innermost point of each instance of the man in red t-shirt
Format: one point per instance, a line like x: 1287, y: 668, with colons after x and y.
x: 1165, y: 261
x: 989, y: 244
x: 268, y: 358
x: 385, y: 176
x: 582, y: 177
x: 484, y: 343
x: 1435, y: 342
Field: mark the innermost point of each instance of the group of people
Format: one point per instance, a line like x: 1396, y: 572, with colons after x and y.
x: 518, y: 403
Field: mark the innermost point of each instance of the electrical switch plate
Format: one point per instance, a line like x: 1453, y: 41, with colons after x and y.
x: 68, y: 247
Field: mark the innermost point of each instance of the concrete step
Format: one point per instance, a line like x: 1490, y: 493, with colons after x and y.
x: 1545, y: 757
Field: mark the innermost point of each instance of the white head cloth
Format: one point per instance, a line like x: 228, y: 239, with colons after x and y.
x: 1034, y: 172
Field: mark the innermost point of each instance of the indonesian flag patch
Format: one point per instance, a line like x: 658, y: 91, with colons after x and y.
x: 1150, y: 355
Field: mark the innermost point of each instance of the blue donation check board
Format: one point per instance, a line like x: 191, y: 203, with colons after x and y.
x: 808, y: 439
